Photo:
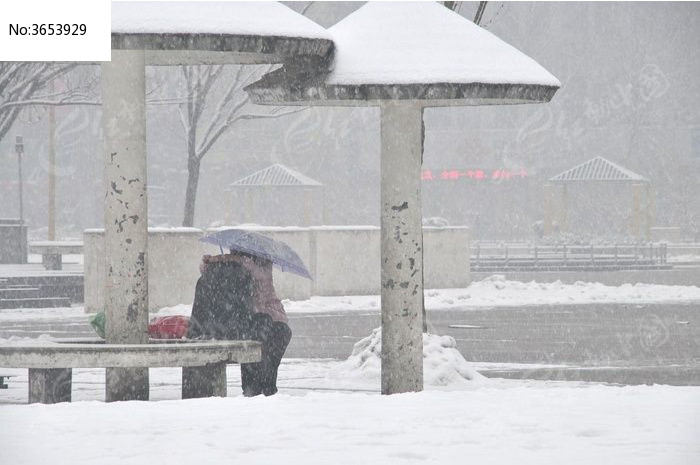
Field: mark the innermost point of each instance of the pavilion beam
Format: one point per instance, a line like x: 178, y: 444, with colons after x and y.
x: 401, y: 247
x: 126, y: 216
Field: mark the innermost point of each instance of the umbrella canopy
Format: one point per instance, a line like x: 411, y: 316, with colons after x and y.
x: 418, y: 51
x: 261, y: 246
x: 198, y: 32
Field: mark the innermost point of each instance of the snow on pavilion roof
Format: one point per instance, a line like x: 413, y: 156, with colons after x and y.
x: 424, y: 42
x: 420, y: 51
x: 256, y: 28
x: 240, y: 18
x: 598, y: 169
x: 276, y: 175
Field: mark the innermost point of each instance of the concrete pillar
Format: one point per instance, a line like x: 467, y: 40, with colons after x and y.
x: 248, y: 194
x: 401, y: 247
x: 204, y: 381
x: 650, y: 211
x: 50, y: 385
x: 324, y: 209
x: 636, y: 219
x: 564, y: 210
x: 230, y: 206
x: 126, y: 217
x: 307, y: 207
x: 548, y: 206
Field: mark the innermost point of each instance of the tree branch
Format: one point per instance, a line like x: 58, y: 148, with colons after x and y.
x: 480, y: 12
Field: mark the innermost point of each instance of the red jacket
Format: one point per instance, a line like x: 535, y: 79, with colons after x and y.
x: 265, y: 298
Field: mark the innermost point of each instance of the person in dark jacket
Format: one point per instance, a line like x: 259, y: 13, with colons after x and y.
x: 223, y: 303
x: 222, y: 309
x: 235, y: 298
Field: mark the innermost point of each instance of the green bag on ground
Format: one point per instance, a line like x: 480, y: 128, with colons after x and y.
x: 97, y: 321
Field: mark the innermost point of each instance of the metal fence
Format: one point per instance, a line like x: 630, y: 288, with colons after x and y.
x: 528, y: 257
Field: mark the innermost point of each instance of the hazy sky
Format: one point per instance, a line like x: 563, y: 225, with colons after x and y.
x: 630, y: 93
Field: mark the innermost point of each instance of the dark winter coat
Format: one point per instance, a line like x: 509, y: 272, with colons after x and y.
x: 223, y: 303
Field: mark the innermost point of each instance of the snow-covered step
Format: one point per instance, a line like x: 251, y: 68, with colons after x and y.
x: 14, y: 286
x: 44, y: 286
x: 45, y: 302
x: 20, y: 293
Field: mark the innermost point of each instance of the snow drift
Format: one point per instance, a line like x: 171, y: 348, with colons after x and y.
x: 443, y: 365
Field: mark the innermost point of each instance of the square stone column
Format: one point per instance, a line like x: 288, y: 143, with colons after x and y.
x: 50, y: 385
x: 401, y: 247
x: 126, y: 215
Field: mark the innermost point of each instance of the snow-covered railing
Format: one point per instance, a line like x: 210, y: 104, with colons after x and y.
x: 506, y: 257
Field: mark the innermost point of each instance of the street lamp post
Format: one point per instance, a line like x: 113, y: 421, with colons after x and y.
x: 19, y: 149
x: 52, y: 168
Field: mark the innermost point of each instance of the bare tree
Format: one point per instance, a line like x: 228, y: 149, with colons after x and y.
x: 22, y: 84
x: 215, y: 102
x: 306, y: 8
x: 455, y: 6
x: 451, y: 5
x: 480, y: 12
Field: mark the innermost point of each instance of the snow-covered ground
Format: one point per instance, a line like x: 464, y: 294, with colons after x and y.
x: 28, y: 314
x: 490, y: 292
x: 487, y: 421
x: 330, y: 411
x: 444, y: 367
x: 498, y: 291
x: 78, y: 259
x: 685, y: 258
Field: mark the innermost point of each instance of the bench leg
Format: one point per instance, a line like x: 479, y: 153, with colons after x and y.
x: 204, y: 381
x: 52, y: 261
x: 126, y: 384
x: 50, y: 385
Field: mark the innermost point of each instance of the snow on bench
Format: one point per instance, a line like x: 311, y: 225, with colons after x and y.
x: 52, y: 252
x: 203, y: 374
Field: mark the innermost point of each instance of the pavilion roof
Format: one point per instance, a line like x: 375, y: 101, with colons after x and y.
x: 415, y: 50
x: 257, y: 28
x: 598, y: 169
x: 276, y: 175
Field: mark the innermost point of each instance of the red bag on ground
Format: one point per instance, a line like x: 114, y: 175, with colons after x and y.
x: 168, y: 327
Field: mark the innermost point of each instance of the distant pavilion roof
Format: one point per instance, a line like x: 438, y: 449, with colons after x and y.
x: 598, y: 169
x: 418, y: 51
x: 276, y: 175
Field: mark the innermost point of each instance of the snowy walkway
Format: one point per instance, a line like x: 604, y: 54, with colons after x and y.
x: 494, y: 291
x: 490, y: 421
x: 497, y: 291
x: 326, y: 413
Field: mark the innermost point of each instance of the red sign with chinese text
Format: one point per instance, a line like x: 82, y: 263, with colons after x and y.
x: 497, y: 174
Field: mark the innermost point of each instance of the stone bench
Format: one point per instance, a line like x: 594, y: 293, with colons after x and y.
x: 203, y: 364
x: 52, y: 252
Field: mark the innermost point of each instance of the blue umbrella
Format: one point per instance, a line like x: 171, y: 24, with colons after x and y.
x: 261, y: 246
